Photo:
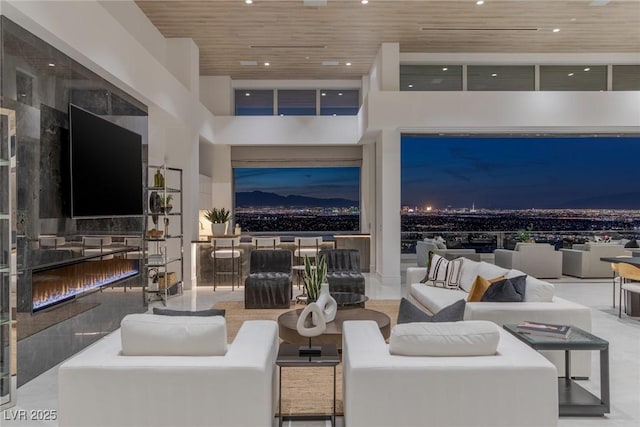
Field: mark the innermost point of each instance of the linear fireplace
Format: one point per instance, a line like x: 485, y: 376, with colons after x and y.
x: 55, y: 285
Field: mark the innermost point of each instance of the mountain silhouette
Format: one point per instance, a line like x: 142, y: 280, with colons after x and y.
x: 264, y: 199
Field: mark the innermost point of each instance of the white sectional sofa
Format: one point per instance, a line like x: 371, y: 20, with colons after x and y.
x: 540, y: 305
x: 101, y: 387
x: 515, y: 387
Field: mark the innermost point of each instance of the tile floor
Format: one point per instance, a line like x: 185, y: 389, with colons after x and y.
x: 622, y: 334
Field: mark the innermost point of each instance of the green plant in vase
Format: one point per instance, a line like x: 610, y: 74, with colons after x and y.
x: 524, y: 235
x: 219, y: 219
x: 313, y: 277
x: 165, y: 203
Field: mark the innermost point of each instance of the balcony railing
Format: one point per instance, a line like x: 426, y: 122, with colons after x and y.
x: 488, y: 241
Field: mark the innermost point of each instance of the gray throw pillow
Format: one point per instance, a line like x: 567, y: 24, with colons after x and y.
x: 506, y: 290
x: 202, y: 313
x: 409, y: 313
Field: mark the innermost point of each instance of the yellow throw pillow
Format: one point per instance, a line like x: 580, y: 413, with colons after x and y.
x: 479, y: 287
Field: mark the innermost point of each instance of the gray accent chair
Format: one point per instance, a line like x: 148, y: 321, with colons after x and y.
x: 268, y: 284
x: 585, y: 263
x: 423, y: 247
x: 343, y: 270
x: 539, y: 260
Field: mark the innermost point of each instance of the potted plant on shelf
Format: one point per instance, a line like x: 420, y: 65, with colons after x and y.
x: 219, y: 219
x: 165, y: 204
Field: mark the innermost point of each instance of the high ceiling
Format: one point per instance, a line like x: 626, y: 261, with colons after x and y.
x: 295, y: 38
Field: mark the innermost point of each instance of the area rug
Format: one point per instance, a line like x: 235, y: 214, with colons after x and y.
x: 29, y: 324
x: 305, y: 391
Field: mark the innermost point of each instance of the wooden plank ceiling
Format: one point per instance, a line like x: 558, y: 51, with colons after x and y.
x: 295, y: 39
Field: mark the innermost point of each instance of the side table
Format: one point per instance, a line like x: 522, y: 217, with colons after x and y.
x: 573, y: 399
x: 288, y: 357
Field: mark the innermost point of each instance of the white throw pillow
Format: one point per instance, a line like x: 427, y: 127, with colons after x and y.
x: 152, y: 335
x: 468, y: 338
x: 469, y: 273
x: 444, y: 273
x: 490, y: 270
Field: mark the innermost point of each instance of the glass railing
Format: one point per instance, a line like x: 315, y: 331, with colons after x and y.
x: 488, y: 241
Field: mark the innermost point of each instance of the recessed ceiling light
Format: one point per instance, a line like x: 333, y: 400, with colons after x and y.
x: 348, y: 64
x: 266, y: 64
x: 339, y: 93
x: 364, y: 1
x: 51, y: 64
x: 572, y: 19
x: 494, y: 75
x: 570, y: 74
x: 324, y: 94
x: 587, y: 69
x: 480, y: 2
x: 445, y: 69
x: 247, y: 94
x: 248, y: 1
x: 556, y: 30
x: 410, y: 85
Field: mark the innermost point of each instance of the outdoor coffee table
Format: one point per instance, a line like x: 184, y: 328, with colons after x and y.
x: 572, y: 398
x: 333, y: 334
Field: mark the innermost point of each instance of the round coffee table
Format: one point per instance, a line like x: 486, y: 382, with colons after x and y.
x: 333, y: 334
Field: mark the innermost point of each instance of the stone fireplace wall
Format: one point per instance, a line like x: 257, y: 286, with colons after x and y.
x: 38, y: 83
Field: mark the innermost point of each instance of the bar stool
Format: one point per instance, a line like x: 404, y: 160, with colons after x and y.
x: 265, y: 242
x: 96, y: 245
x: 614, y: 270
x: 227, y: 248
x: 51, y: 241
x: 628, y: 272
x: 134, y: 242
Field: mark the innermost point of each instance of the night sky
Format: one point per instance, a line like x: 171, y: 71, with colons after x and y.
x: 493, y: 173
x: 323, y: 182
x: 521, y: 173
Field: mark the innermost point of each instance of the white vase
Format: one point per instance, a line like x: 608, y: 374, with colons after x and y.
x: 327, y: 304
x: 219, y: 229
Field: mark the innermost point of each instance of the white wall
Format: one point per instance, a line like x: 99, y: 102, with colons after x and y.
x: 387, y: 206
x: 276, y: 130
x: 222, y: 178
x: 216, y: 94
x: 504, y: 111
x: 183, y: 61
x: 136, y: 22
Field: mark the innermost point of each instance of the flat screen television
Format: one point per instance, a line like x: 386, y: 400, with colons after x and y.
x: 106, y: 167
